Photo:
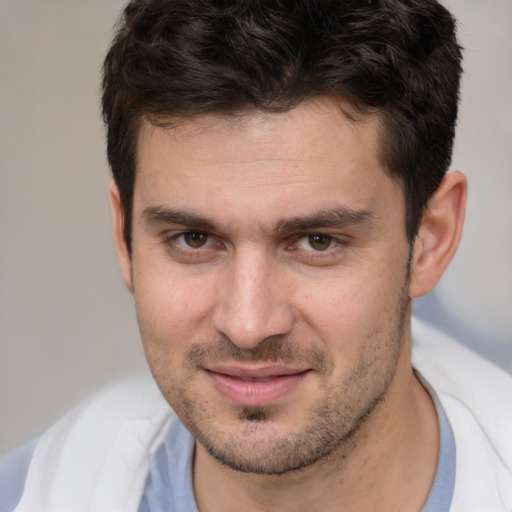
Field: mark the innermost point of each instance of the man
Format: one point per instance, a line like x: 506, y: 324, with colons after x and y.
x: 280, y: 195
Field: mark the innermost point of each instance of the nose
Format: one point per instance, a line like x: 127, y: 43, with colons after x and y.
x: 253, y: 301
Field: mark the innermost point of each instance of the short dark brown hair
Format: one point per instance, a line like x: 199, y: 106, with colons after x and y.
x: 398, y: 59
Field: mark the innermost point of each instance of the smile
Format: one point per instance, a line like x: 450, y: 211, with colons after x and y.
x: 255, y: 387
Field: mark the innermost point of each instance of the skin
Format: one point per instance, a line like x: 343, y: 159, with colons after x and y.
x: 278, y: 241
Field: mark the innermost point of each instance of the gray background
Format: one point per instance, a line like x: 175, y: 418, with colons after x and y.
x: 67, y: 324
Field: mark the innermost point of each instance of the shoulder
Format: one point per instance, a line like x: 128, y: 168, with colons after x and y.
x: 452, y: 368
x: 13, y: 472
x: 100, y: 450
x: 477, y: 397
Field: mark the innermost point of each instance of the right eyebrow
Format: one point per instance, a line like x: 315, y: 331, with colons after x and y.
x: 330, y: 218
x: 164, y: 215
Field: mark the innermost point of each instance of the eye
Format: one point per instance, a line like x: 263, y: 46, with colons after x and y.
x: 192, y: 240
x: 192, y: 246
x: 317, y: 242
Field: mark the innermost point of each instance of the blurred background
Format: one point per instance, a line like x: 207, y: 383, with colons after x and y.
x: 67, y: 324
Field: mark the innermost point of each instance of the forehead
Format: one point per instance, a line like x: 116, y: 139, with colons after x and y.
x: 322, y: 120
x: 309, y: 155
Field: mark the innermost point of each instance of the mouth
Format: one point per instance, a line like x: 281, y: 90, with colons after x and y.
x: 253, y: 387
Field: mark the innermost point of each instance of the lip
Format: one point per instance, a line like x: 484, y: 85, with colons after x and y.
x: 255, y: 386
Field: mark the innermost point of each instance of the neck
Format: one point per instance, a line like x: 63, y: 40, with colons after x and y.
x: 388, y: 464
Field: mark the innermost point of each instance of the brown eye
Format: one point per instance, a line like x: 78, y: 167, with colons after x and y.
x: 195, y: 239
x: 319, y: 242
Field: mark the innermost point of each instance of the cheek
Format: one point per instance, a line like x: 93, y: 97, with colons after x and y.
x: 172, y: 310
x: 172, y: 315
x: 351, y: 307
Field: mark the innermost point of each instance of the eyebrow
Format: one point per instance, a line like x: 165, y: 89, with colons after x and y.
x: 161, y: 214
x: 340, y: 217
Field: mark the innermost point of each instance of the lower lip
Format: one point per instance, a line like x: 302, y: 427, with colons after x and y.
x: 255, y: 393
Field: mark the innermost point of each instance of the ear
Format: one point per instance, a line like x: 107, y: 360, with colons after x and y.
x: 439, y: 234
x: 123, y: 255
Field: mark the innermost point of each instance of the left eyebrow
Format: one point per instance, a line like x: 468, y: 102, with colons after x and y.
x: 160, y: 214
x: 332, y: 218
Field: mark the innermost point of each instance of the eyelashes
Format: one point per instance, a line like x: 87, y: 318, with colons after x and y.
x: 195, y: 246
x: 318, y: 242
x: 192, y: 239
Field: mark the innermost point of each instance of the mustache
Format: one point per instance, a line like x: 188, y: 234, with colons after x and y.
x: 274, y: 349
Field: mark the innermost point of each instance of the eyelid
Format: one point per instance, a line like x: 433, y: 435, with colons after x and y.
x: 171, y: 240
x: 333, y: 242
x: 335, y: 239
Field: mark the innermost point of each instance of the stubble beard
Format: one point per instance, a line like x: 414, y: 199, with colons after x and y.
x: 333, y: 424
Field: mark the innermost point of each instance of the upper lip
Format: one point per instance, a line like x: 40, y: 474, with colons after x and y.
x: 255, y: 373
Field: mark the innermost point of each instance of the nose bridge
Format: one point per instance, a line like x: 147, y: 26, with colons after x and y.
x: 251, y: 304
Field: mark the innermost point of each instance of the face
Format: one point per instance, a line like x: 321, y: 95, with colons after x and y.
x: 269, y: 270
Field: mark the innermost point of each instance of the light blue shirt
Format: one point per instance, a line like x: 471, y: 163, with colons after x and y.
x: 169, y: 483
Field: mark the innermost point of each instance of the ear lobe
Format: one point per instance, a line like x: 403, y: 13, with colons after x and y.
x: 123, y: 255
x: 439, y: 234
